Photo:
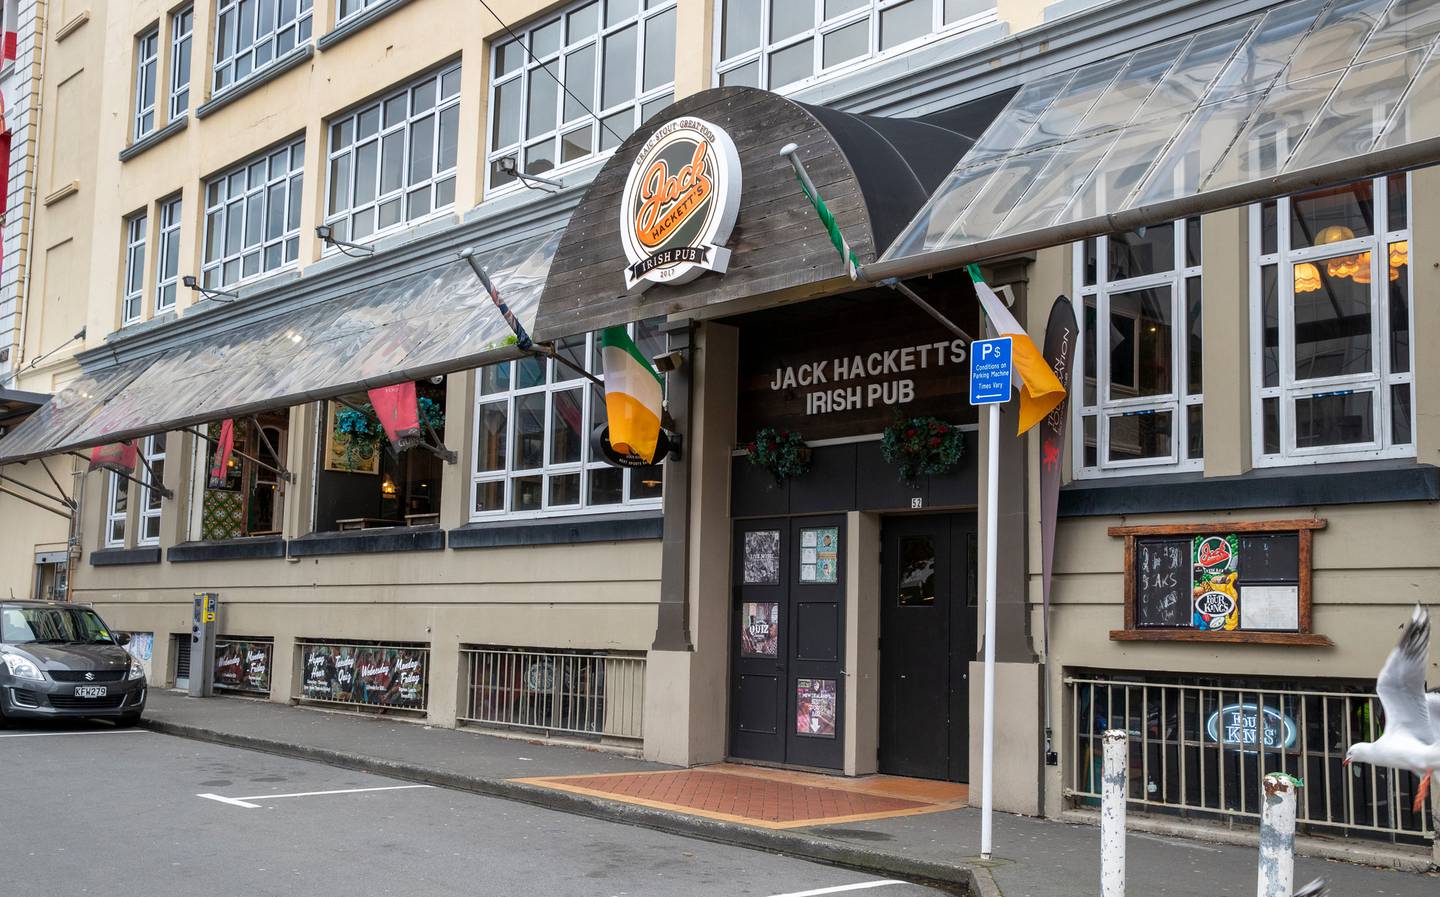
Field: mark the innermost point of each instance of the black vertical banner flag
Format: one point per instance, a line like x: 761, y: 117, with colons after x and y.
x: 1061, y: 334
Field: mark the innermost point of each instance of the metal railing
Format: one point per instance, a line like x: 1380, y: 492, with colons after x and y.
x: 582, y: 693
x: 364, y: 674
x: 1203, y: 750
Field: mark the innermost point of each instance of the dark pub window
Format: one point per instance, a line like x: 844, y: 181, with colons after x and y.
x: 363, y: 483
x: 1228, y: 582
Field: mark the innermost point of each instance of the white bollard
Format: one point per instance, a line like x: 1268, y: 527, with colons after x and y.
x: 1277, y: 836
x: 1114, y: 783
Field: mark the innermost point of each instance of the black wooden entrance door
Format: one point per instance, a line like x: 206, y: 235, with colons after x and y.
x: 788, y: 637
x: 927, y: 639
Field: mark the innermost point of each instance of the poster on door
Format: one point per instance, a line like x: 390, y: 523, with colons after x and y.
x: 820, y: 554
x: 815, y: 707
x: 760, y: 629
x: 762, y: 557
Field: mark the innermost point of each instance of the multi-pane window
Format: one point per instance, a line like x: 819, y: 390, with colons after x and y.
x: 150, y: 498
x: 167, y: 270
x: 117, y: 510
x: 533, y: 422
x: 393, y: 160
x: 252, y: 216
x: 1331, y: 349
x: 182, y: 28
x: 778, y: 43
x: 147, y: 63
x: 348, y: 8
x: 1140, y: 403
x: 131, y: 305
x: 252, y: 34
x: 616, y: 60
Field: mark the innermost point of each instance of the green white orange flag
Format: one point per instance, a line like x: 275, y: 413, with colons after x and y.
x: 1040, y: 390
x: 634, y: 393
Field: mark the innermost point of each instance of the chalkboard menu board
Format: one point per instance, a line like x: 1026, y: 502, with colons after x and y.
x: 1162, y: 581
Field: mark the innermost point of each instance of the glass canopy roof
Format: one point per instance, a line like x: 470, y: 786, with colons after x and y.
x: 411, y: 327
x: 1235, y: 111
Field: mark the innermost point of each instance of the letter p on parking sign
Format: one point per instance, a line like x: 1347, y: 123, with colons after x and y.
x: 990, y: 371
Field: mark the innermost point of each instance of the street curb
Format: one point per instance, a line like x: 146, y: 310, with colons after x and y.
x: 975, y: 880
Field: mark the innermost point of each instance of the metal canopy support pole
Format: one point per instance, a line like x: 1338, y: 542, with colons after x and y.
x: 125, y: 476
x: 992, y: 529
x: 58, y: 488
x: 155, y: 484
x: 63, y: 499
x: 899, y: 286
x: 284, y: 474
x: 31, y: 501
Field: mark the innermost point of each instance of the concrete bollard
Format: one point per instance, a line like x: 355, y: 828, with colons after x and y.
x: 1114, y: 785
x: 1277, y: 836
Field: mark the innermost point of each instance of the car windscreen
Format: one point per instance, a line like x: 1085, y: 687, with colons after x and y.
x: 54, y: 625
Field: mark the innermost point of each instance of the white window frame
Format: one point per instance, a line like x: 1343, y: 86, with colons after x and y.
x: 220, y: 204
x: 153, y: 457
x: 640, y: 106
x: 132, y: 304
x: 116, y: 519
x: 870, y: 10
x: 356, y: 7
x: 267, y: 40
x: 147, y: 68
x: 182, y: 29
x: 587, y: 463
x: 167, y: 264
x: 1379, y: 380
x: 342, y: 219
x: 1177, y: 401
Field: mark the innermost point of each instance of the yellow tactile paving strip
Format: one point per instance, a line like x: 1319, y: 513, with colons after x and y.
x: 767, y: 798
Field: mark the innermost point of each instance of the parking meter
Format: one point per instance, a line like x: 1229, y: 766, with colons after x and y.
x: 203, y: 625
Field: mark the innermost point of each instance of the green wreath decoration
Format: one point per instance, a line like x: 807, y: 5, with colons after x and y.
x: 782, y: 452
x: 922, y: 447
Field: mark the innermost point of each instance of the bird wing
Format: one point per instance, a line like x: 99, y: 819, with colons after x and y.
x: 1432, y: 699
x: 1316, y: 888
x: 1401, y: 685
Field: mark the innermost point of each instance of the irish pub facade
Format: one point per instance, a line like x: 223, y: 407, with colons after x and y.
x: 1248, y: 498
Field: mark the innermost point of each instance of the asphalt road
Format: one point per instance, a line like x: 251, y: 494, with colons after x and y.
x: 93, y: 810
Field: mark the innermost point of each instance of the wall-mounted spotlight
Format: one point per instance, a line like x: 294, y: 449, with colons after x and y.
x: 326, y: 233
x: 510, y: 167
x: 191, y: 283
x: 668, y: 362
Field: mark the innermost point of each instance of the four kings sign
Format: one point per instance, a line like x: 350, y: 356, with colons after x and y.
x: 679, y: 204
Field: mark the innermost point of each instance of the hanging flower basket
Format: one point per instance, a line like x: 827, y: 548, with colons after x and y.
x: 782, y: 452
x: 363, y: 433
x: 922, y: 447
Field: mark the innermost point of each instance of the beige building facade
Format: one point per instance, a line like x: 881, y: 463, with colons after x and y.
x: 216, y: 179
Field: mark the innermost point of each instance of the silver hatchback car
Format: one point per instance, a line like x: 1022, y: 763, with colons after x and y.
x: 61, y: 660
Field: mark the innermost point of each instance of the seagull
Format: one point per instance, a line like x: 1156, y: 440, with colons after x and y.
x: 1411, y: 739
x: 1316, y: 888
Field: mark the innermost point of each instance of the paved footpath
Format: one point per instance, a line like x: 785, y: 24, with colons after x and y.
x: 1034, y: 857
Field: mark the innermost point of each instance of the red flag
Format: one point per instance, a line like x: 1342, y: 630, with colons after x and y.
x: 224, y: 448
x: 399, y: 412
x: 117, y: 456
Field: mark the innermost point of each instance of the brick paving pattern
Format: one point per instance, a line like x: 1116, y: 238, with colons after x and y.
x: 749, y: 797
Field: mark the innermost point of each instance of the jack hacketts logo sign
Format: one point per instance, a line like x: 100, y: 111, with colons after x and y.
x: 679, y: 204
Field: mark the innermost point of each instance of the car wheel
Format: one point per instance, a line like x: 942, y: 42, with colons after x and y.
x: 127, y: 721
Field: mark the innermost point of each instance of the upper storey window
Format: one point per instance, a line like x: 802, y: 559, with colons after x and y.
x: 616, y: 62
x: 252, y: 34
x: 776, y: 44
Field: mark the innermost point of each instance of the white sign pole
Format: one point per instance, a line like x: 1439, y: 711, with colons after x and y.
x: 992, y: 526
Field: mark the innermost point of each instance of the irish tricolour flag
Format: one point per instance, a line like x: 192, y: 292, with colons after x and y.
x: 633, y: 394
x: 1040, y: 389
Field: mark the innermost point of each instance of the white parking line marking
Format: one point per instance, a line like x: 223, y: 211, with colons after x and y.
x: 99, y: 732
x: 861, y: 886
x: 246, y: 801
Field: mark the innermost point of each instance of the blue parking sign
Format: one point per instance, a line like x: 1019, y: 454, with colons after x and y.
x: 990, y: 371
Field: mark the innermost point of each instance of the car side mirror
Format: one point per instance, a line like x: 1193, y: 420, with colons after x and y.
x: 122, y: 638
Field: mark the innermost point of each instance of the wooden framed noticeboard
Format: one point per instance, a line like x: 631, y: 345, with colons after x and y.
x: 1246, y: 582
